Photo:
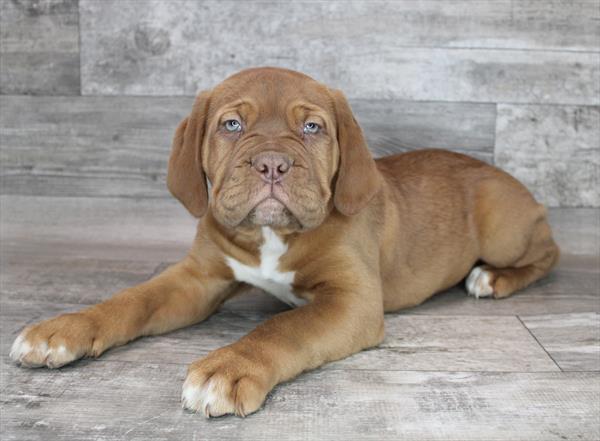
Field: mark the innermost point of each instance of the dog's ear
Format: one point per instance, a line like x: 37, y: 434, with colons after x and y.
x: 358, y: 178
x: 185, y: 177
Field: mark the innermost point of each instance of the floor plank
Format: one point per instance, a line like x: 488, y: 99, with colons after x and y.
x: 452, y: 368
x: 456, y: 343
x: 436, y: 343
x: 572, y: 340
x: 41, y: 273
x: 73, y: 254
x: 154, y: 230
x: 574, y: 286
x: 70, y: 280
x: 140, y: 401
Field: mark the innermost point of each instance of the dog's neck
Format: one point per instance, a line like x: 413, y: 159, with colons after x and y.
x: 268, y: 274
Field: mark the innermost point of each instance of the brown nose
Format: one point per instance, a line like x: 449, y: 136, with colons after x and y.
x: 272, y: 166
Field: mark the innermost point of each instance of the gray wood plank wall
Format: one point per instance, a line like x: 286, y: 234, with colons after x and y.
x: 515, y: 83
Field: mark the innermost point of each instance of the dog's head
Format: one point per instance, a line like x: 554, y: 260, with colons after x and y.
x: 279, y: 149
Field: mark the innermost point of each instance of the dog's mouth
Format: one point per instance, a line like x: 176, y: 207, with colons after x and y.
x: 268, y: 210
x: 282, y: 205
x: 272, y: 211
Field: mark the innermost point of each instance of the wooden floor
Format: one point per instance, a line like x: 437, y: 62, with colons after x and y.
x: 454, y: 368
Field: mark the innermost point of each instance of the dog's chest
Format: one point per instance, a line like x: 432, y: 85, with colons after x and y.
x: 267, y: 275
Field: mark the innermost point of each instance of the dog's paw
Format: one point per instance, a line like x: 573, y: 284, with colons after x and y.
x: 224, y: 383
x: 479, y: 283
x: 55, y: 342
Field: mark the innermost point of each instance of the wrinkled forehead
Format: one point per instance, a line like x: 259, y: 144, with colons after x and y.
x: 271, y: 93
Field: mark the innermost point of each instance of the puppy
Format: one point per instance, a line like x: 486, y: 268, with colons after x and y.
x: 299, y: 208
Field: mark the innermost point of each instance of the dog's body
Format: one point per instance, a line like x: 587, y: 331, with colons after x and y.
x: 300, y: 209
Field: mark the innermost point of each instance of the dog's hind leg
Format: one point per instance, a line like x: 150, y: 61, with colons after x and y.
x: 499, y: 278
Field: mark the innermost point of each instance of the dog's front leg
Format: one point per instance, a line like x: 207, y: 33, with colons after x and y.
x: 184, y: 294
x: 237, y: 378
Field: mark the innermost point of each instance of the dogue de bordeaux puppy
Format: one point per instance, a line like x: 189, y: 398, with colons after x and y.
x: 299, y: 208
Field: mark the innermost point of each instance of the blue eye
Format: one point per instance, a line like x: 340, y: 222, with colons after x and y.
x: 311, y: 128
x: 233, y: 125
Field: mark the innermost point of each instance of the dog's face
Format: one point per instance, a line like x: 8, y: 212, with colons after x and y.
x: 269, y: 153
x: 276, y: 146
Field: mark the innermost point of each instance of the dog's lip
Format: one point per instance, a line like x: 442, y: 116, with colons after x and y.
x: 265, y: 199
x: 270, y: 197
x: 275, y: 194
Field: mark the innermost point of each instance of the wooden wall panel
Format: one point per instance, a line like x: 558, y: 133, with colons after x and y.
x: 442, y: 51
x: 119, y: 146
x: 39, y: 47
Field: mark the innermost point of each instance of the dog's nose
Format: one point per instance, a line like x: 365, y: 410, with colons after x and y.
x: 272, y: 166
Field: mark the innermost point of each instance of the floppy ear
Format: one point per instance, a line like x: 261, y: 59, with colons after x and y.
x: 185, y: 177
x: 358, y: 178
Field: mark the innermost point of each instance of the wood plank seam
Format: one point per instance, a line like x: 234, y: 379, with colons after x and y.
x: 538, y: 342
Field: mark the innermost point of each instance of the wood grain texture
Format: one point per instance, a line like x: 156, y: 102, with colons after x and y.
x: 119, y: 146
x: 154, y: 223
x: 140, y: 401
x: 152, y: 230
x: 438, y: 343
x: 39, y: 47
x: 572, y: 340
x: 79, y: 237
x: 421, y: 51
x: 63, y: 279
x: 458, y: 343
x: 553, y: 150
x: 577, y: 231
x: 88, y: 146
x: 574, y: 286
x: 392, y: 126
x: 37, y: 274
x: 452, y: 368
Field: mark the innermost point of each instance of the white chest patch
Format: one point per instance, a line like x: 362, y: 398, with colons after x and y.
x: 267, y: 275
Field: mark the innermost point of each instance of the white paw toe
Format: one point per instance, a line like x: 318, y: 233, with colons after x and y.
x: 30, y: 354
x: 59, y: 356
x: 479, y: 283
x: 210, y: 398
x: 20, y: 348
